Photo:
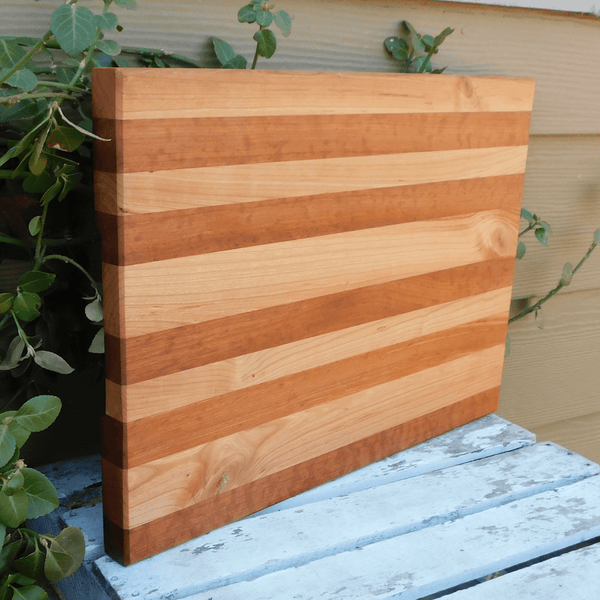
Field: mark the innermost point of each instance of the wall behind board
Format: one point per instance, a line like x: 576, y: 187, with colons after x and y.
x: 551, y: 381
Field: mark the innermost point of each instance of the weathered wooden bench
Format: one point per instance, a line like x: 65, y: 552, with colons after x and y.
x: 482, y: 512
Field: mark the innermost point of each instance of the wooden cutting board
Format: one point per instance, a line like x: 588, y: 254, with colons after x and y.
x: 303, y: 273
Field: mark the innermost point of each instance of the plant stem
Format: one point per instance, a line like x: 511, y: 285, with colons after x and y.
x: 39, y: 252
x: 424, y: 65
x: 527, y: 229
x: 255, y: 58
x: 28, y: 96
x: 538, y: 305
x: 4, y: 321
x: 6, y: 239
x: 71, y: 262
x: 27, y: 57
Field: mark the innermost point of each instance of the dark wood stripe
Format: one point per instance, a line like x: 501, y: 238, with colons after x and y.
x: 178, y: 233
x: 130, y: 546
x: 132, y: 444
x: 218, y: 141
x: 142, y: 357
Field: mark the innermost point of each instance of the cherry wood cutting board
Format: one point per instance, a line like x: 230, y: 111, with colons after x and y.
x: 303, y: 273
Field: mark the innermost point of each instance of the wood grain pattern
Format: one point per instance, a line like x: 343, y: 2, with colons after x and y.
x: 303, y: 284
x: 166, y: 393
x: 138, y: 238
x: 157, y: 191
x: 131, y: 545
x: 178, y: 292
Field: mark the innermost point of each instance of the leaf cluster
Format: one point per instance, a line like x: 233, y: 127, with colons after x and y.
x: 28, y: 558
x: 261, y: 13
x: 413, y: 51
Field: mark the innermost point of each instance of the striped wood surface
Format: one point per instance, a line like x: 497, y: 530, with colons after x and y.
x: 303, y: 273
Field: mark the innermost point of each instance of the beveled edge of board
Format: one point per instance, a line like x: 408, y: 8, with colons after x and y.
x: 130, y: 546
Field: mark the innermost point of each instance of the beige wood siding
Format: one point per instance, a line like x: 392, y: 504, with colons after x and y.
x: 551, y: 380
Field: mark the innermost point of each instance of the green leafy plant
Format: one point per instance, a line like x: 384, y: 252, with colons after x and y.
x: 414, y: 51
x: 259, y: 12
x: 30, y: 561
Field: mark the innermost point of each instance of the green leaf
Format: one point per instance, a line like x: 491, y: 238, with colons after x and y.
x: 38, y: 413
x: 6, y: 301
x: 428, y: 41
x: 9, y: 551
x: 223, y: 50
x: 442, y: 36
x: 264, y: 18
x: 37, y: 163
x: 10, y: 53
x: 74, y: 28
x: 13, y: 509
x: 51, y: 193
x: 284, y: 22
x: 597, y: 236
x: 127, y: 4
x: 36, y: 281
x: 107, y: 20
x: 26, y: 109
x: 14, y: 483
x: 97, y: 345
x: 540, y: 234
x: 8, y: 445
x: 11, y: 152
x: 423, y: 64
x: 21, y: 435
x: 65, y: 554
x: 247, y: 14
x: 38, y: 184
x: 521, y: 249
x: 239, y: 62
x: 267, y: 43
x: 567, y: 274
x: 52, y: 362
x: 65, y: 75
x: 396, y: 47
x: 13, y: 354
x: 26, y: 306
x: 32, y: 564
x: 64, y: 138
x: 43, y: 498
x: 416, y: 42
x: 29, y: 592
x: 70, y: 182
x: 23, y: 79
x: 546, y: 226
x: 94, y: 312
x: 109, y: 47
x: 525, y: 214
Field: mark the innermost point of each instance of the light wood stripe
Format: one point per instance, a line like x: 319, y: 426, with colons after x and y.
x: 145, y: 94
x: 170, y: 392
x: 180, y: 480
x: 142, y: 358
x: 178, y: 292
x: 137, y: 238
x: 131, y: 545
x: 134, y: 193
x: 213, y: 142
x: 151, y: 438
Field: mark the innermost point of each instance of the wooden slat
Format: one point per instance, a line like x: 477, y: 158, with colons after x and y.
x: 173, y: 293
x: 308, y: 137
x: 141, y: 358
x: 138, y: 94
x: 137, y: 238
x: 162, y: 395
x: 131, y: 545
x: 295, y: 284
x: 213, y: 186
x: 136, y: 443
